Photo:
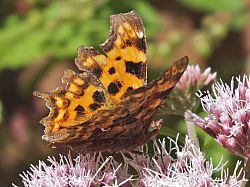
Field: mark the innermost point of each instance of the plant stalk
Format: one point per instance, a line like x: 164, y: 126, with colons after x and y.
x: 191, y: 130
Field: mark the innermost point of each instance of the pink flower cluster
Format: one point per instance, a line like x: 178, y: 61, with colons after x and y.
x: 189, y: 168
x: 84, y: 171
x: 193, y: 77
x: 228, y: 115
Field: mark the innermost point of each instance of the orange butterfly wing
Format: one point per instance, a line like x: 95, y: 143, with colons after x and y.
x: 109, y: 106
x: 123, y: 67
x: 105, y: 78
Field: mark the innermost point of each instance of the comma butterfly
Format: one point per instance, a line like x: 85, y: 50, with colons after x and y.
x: 109, y: 106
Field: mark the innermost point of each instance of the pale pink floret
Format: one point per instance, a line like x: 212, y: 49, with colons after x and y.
x: 193, y: 77
x: 228, y: 115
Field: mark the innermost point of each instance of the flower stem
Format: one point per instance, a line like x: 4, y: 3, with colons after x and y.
x: 191, y: 129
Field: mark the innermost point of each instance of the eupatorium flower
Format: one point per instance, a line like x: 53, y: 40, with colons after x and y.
x: 190, y: 168
x: 187, y: 168
x: 84, y: 171
x: 228, y: 115
x: 193, y: 77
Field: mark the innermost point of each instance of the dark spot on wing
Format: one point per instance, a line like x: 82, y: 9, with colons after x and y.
x: 134, y: 68
x: 118, y: 58
x: 79, y: 109
x: 94, y: 106
x: 112, y: 70
x: 98, y: 97
x: 114, y: 87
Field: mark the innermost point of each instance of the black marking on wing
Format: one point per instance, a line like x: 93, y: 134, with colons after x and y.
x: 99, y: 97
x: 118, y: 58
x: 134, y: 68
x: 114, y: 87
x: 112, y: 70
x: 79, y: 109
x: 94, y: 106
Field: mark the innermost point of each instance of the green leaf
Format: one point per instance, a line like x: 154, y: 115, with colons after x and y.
x: 59, y: 28
x: 239, y: 21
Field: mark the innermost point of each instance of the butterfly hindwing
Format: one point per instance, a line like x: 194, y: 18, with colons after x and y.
x: 82, y: 97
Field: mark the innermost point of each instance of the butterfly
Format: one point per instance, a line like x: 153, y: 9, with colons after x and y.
x: 109, y: 106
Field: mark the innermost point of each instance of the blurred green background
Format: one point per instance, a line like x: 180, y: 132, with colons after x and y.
x: 38, y: 40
